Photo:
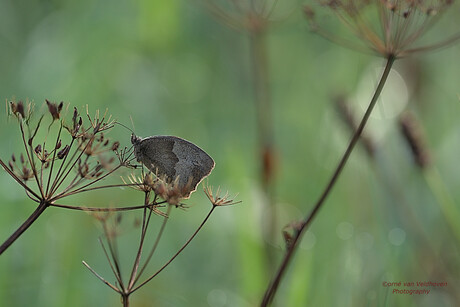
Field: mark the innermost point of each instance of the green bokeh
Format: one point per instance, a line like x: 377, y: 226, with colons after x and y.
x: 175, y: 70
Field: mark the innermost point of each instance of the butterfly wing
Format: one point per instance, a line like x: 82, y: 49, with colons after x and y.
x: 194, y: 164
x: 174, y: 157
x: 157, y: 155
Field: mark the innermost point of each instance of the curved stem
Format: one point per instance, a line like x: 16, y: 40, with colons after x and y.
x: 178, y: 252
x: 40, y: 209
x: 271, y: 290
x: 155, y: 245
x: 81, y: 208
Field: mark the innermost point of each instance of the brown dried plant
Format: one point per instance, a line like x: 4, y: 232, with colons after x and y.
x: 63, y: 158
x: 160, y: 197
x: 401, y: 25
x: 390, y: 28
x: 79, y: 157
x: 253, y: 18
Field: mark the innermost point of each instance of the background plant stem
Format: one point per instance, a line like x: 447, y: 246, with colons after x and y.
x: 264, y: 120
x: 273, y: 286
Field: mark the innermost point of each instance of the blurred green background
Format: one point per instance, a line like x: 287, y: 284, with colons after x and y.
x: 176, y: 70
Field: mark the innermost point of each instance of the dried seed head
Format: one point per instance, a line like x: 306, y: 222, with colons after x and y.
x: 21, y: 158
x: 38, y: 149
x: 17, y: 109
x: 75, y: 115
x: 115, y: 145
x: 169, y: 191
x: 59, y: 144
x: 63, y: 152
x: 252, y: 16
x: 309, y: 12
x: 26, y: 173
x: 83, y: 170
x: 13, y: 158
x: 217, y: 200
x: 54, y: 109
x: 148, y: 180
x: 402, y: 24
x: 20, y: 109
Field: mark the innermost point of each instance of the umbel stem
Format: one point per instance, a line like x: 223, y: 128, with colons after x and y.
x: 264, y: 120
x: 40, y: 209
x: 273, y: 286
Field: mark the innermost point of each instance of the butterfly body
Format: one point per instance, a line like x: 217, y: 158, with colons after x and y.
x: 174, y: 158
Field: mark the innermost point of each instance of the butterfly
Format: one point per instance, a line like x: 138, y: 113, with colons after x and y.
x: 175, y: 159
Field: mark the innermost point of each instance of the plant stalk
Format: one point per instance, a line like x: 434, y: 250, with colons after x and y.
x: 178, y: 252
x: 40, y: 209
x: 264, y: 120
x: 273, y: 286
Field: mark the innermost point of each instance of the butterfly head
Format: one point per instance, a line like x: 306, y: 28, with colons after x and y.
x: 135, y: 139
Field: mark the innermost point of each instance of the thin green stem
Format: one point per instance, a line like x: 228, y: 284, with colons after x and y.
x: 178, y: 252
x: 273, y: 286
x: 94, y: 209
x: 264, y: 120
x: 100, y: 277
x: 66, y: 193
x: 145, y: 224
x: 155, y: 245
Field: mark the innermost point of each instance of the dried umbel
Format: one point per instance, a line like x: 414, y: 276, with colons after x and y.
x: 252, y: 16
x: 160, y: 196
x: 60, y: 157
x: 217, y: 199
x: 50, y: 163
x: 398, y: 28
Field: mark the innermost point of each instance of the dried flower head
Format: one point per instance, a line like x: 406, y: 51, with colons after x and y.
x: 252, y: 16
x: 55, y: 109
x: 50, y: 163
x: 217, y: 200
x: 171, y: 192
x: 401, y: 23
x: 56, y: 162
x: 17, y: 109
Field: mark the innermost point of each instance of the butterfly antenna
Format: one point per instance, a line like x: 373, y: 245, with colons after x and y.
x: 132, y: 122
x: 124, y: 127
